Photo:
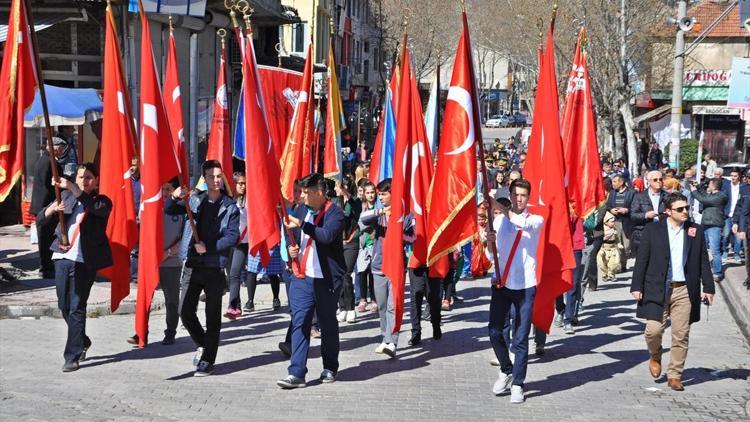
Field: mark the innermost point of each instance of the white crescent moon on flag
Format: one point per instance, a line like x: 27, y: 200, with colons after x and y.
x: 221, y: 96
x: 418, y: 150
x: 463, y: 98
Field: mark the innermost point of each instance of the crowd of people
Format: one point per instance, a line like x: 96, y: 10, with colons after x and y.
x: 330, y: 258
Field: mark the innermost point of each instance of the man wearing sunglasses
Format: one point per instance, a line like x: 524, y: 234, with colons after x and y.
x: 670, y: 268
x: 646, y: 207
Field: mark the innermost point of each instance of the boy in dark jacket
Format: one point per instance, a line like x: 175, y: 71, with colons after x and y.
x: 217, y: 223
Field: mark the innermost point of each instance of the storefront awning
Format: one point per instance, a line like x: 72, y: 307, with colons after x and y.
x: 696, y: 93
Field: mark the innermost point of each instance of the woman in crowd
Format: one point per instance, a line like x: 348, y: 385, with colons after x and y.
x: 364, y: 257
x: 352, y: 207
x: 238, y: 268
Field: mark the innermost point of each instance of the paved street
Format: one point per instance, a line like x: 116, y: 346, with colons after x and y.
x: 597, y: 374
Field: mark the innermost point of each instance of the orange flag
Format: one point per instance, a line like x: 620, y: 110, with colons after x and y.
x: 545, y: 169
x: 301, y: 135
x: 117, y: 150
x: 219, y: 145
x: 261, y: 167
x: 583, y: 171
x: 18, y: 85
x: 452, y: 220
x: 158, y: 165
x: 173, y: 107
x: 335, y: 123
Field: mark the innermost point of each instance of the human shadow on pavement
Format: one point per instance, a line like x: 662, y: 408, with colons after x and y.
x: 624, y: 360
x: 695, y: 376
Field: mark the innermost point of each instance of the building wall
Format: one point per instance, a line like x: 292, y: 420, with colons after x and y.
x: 707, y: 55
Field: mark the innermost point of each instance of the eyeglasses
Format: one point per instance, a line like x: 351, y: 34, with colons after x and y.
x: 656, y: 180
x: 680, y: 209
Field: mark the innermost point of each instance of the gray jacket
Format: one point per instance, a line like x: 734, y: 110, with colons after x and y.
x: 379, y: 222
x: 713, y: 207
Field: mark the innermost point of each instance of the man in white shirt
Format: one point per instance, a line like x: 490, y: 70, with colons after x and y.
x: 514, y: 285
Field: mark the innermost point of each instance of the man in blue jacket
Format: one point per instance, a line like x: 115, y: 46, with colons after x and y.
x: 318, y: 250
x: 217, y: 223
x: 735, y: 189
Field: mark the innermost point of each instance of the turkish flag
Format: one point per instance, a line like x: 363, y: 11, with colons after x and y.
x: 452, y: 220
x: 219, y: 144
x: 335, y: 123
x: 158, y: 165
x: 583, y: 171
x: 410, y: 130
x: 173, y: 107
x: 117, y: 151
x: 545, y: 169
x: 300, y: 136
x: 18, y: 85
x: 261, y: 167
x: 280, y: 93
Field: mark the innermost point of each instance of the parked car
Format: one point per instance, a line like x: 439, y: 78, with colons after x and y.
x: 742, y: 167
x: 519, y: 119
x: 498, y: 120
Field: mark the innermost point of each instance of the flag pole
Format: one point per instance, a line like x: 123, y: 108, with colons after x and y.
x: 483, y: 165
x: 45, y: 111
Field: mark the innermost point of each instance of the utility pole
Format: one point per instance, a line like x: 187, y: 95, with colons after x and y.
x: 679, y: 65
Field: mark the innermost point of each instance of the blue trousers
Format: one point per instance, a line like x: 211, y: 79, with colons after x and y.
x: 522, y: 302
x: 713, y: 240
x: 73, y: 282
x: 307, y: 296
x: 726, y: 236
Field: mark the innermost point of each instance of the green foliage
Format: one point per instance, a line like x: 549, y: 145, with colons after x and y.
x: 688, y: 153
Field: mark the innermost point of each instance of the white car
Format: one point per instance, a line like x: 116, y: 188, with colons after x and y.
x: 498, y: 121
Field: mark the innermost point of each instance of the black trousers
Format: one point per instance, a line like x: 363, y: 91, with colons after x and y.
x: 45, y: 235
x: 211, y: 281
x: 421, y: 286
x: 346, y: 300
x: 73, y: 284
x: 252, y: 285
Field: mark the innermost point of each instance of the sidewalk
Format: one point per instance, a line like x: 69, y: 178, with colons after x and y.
x: 737, y: 297
x: 24, y: 294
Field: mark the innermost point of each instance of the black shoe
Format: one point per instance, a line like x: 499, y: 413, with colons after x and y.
x: 202, y: 297
x: 291, y: 382
x: 276, y: 304
x: 86, y: 346
x: 168, y: 340
x: 48, y: 274
x: 133, y: 340
x: 285, y: 349
x: 415, y: 339
x: 249, y: 307
x: 437, y: 333
x: 70, y: 366
x: 539, y: 350
x: 204, y: 369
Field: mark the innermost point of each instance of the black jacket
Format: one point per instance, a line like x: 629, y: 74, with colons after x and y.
x: 713, y: 207
x: 642, y: 204
x: 42, y: 193
x: 93, y: 234
x: 629, y: 194
x: 227, y: 224
x: 652, y: 263
x: 329, y: 242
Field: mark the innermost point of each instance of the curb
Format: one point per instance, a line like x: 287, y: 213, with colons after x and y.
x: 93, y: 310
x: 732, y: 291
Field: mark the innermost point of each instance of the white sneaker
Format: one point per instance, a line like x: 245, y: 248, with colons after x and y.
x: 380, y: 348
x: 502, y: 384
x: 390, y: 350
x: 341, y: 316
x: 351, y: 317
x: 516, y: 394
x: 494, y: 362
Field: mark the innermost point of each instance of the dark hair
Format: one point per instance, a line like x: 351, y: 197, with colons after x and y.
x: 208, y: 165
x: 736, y: 170
x: 717, y: 182
x: 607, y: 184
x: 671, y: 171
x: 520, y: 183
x: 673, y: 197
x: 314, y: 181
x: 384, y: 185
x: 330, y: 190
x: 90, y: 167
x: 237, y: 174
x: 347, y: 183
x: 175, y: 182
x: 361, y: 183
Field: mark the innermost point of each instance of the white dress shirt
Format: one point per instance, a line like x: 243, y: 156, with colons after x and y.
x: 734, y: 198
x: 312, y: 266
x: 522, y: 271
x: 676, y: 270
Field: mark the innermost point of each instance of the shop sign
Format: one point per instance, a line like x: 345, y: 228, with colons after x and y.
x: 707, y: 77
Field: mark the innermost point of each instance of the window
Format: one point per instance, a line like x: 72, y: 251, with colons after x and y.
x: 367, y: 47
x: 298, y: 38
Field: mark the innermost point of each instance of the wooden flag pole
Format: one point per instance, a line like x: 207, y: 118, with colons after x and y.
x: 42, y: 95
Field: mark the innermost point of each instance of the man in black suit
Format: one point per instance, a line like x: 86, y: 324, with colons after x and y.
x: 671, y: 265
x: 647, y: 207
x: 619, y: 203
x: 42, y: 194
x: 741, y: 227
x: 315, y: 286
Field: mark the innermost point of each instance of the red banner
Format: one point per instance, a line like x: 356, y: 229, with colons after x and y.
x: 280, y: 90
